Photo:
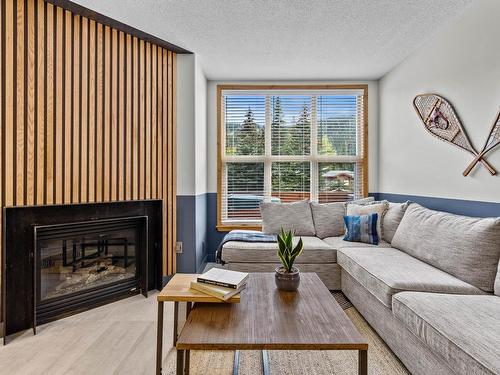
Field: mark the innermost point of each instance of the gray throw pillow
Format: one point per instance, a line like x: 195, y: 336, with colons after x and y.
x: 296, y: 217
x: 328, y: 219
x: 465, y: 247
x: 392, y: 218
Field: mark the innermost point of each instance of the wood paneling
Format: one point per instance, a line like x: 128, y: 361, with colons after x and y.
x: 87, y: 113
x: 19, y: 111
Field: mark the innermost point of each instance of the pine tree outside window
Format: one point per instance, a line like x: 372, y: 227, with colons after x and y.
x: 286, y: 144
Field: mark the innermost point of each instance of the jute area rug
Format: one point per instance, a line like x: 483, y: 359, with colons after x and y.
x: 381, y: 360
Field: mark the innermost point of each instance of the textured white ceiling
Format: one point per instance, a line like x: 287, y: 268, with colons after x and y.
x: 289, y: 39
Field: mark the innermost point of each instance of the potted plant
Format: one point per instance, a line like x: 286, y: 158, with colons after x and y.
x: 287, y: 276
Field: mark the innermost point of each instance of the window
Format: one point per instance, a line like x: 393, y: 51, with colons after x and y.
x: 286, y: 144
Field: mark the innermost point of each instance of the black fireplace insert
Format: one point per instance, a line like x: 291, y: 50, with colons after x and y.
x: 62, y: 259
x: 79, y: 264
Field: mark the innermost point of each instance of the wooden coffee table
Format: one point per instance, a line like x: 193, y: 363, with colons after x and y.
x: 268, y: 319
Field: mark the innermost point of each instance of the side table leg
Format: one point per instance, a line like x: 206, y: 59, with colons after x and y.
x: 159, y: 338
x: 176, y: 320
x: 180, y: 362
x: 363, y: 362
x: 236, y: 362
x: 265, y: 362
x: 188, y: 309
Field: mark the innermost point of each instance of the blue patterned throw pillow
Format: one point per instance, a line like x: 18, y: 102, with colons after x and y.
x: 361, y: 229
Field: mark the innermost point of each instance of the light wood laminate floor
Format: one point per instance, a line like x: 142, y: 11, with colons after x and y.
x: 119, y: 338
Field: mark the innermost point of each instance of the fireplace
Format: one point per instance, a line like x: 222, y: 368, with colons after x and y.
x: 63, y: 259
x: 78, y: 264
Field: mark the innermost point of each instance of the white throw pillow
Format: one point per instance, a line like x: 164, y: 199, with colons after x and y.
x: 377, y: 207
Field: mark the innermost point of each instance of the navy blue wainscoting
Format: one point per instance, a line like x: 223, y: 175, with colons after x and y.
x: 214, y: 237
x: 454, y: 206
x: 192, y: 232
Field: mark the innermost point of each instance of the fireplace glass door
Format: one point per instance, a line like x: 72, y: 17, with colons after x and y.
x: 72, y: 259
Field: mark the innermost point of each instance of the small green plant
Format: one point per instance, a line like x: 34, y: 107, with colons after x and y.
x: 286, y: 251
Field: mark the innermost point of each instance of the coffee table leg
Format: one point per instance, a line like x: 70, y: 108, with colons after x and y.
x: 188, y: 309
x: 176, y: 320
x: 363, y: 362
x: 265, y: 362
x: 159, y: 338
x: 236, y: 362
x: 186, y: 362
x: 180, y: 362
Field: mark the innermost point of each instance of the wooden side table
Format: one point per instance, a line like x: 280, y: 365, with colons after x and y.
x: 178, y: 290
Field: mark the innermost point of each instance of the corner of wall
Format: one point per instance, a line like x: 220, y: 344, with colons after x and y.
x: 191, y: 163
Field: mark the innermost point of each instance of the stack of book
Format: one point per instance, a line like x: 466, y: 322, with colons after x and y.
x: 220, y: 283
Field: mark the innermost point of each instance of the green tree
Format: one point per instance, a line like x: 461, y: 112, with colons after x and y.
x: 303, y: 130
x: 297, y: 140
x: 325, y: 146
x: 278, y: 128
x: 249, y: 137
x: 294, y: 176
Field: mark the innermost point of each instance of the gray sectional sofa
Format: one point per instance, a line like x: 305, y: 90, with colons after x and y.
x: 431, y: 288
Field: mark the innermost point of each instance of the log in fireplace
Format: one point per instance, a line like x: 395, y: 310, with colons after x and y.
x: 60, y: 260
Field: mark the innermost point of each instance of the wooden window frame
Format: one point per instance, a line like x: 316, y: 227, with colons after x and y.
x: 224, y: 227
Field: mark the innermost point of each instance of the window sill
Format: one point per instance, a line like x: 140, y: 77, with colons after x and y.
x: 229, y: 227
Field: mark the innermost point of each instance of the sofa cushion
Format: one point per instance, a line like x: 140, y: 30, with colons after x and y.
x: 339, y: 243
x: 463, y: 330
x: 386, y: 271
x: 466, y: 247
x: 328, y: 219
x: 392, y: 219
x: 296, y: 217
x: 315, y: 251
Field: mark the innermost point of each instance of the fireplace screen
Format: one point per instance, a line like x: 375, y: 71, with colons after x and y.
x: 85, y: 256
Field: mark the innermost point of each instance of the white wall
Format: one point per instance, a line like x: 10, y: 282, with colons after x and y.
x: 461, y: 63
x: 372, y: 126
x: 191, y: 126
x: 200, y: 130
x: 185, y: 124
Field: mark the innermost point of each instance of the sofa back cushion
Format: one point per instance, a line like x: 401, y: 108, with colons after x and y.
x: 328, y: 219
x: 466, y: 247
x: 296, y: 217
x: 392, y: 219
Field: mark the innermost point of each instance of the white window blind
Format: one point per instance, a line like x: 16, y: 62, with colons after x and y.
x: 286, y: 146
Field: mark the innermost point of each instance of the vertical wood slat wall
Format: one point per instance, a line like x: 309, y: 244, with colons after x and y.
x: 87, y: 113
